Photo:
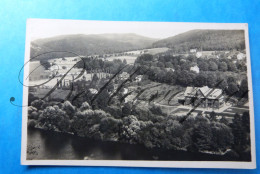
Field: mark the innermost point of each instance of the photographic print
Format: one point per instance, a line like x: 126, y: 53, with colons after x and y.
x: 147, y: 94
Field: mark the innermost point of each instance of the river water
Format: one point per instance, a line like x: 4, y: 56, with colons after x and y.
x: 53, y: 145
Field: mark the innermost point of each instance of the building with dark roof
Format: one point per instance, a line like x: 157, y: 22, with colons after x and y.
x: 204, y: 97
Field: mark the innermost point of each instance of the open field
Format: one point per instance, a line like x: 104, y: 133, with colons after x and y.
x: 148, y: 51
x: 129, y: 59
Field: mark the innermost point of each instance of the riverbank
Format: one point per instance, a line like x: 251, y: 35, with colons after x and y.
x: 56, y: 145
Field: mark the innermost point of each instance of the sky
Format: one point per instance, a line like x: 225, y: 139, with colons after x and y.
x: 43, y: 28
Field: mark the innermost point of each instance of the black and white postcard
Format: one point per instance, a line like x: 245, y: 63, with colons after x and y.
x: 139, y: 94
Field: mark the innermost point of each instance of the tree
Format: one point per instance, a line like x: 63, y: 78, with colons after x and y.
x: 45, y: 64
x: 126, y: 110
x: 232, y: 88
x: 102, y: 100
x: 202, y: 137
x: 222, y: 66
x: 114, y: 110
x: 200, y: 80
x: 85, y: 106
x: 168, y: 65
x: 53, y: 118
x: 232, y: 67
x: 38, y: 104
x: 160, y: 64
x: 156, y: 110
x: 213, y: 66
x: 130, y: 129
x: 68, y: 108
x: 232, y: 79
x: 110, y: 128
x: 174, y: 132
x: 212, y: 116
x: 222, y: 83
x: 203, y: 66
x: 185, y: 78
x: 31, y: 98
x: 212, y: 80
x: 95, y: 78
x: 246, y: 121
x: 143, y: 58
x: 223, y: 137
x: 240, y: 135
x: 243, y: 86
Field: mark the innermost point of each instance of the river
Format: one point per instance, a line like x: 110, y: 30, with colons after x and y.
x: 54, y: 145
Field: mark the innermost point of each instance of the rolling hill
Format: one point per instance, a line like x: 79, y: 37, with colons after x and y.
x: 90, y: 44
x: 206, y: 40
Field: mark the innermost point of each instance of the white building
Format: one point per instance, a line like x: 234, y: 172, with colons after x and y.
x: 170, y: 69
x: 241, y: 56
x: 193, y: 50
x: 124, y: 76
x: 198, y: 54
x: 195, y: 69
x: 125, y: 91
x: 93, y: 91
x: 138, y: 78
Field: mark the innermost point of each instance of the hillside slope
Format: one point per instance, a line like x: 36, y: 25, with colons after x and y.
x: 90, y: 44
x: 207, y: 40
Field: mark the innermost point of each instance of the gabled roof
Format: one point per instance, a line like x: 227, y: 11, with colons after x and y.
x: 205, y: 91
x: 190, y: 91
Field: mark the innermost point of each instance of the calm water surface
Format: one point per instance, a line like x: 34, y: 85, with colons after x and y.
x: 53, y: 145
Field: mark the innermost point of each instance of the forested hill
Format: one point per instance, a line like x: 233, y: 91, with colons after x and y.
x: 207, y: 40
x: 90, y: 44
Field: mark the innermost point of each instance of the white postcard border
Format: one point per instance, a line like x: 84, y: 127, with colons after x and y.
x: 127, y: 163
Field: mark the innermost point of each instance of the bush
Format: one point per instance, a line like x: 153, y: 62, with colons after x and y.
x: 38, y: 104
x: 53, y: 118
x: 31, y: 123
x: 68, y: 108
x: 114, y: 110
x: 85, y: 106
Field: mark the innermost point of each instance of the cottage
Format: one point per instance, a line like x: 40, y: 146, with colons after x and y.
x: 204, y: 97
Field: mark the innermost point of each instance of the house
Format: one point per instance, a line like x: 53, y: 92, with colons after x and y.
x: 124, y: 76
x: 195, y: 69
x: 193, y: 50
x: 138, y: 78
x: 240, y: 56
x: 125, y: 91
x: 93, y: 91
x: 170, y: 69
x: 204, y: 97
x: 198, y: 54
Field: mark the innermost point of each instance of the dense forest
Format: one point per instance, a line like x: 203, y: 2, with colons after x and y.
x: 206, y: 40
x: 150, y: 127
x: 86, y: 45
x: 175, y: 70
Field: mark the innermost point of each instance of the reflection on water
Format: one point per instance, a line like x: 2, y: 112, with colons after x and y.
x: 54, y: 145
